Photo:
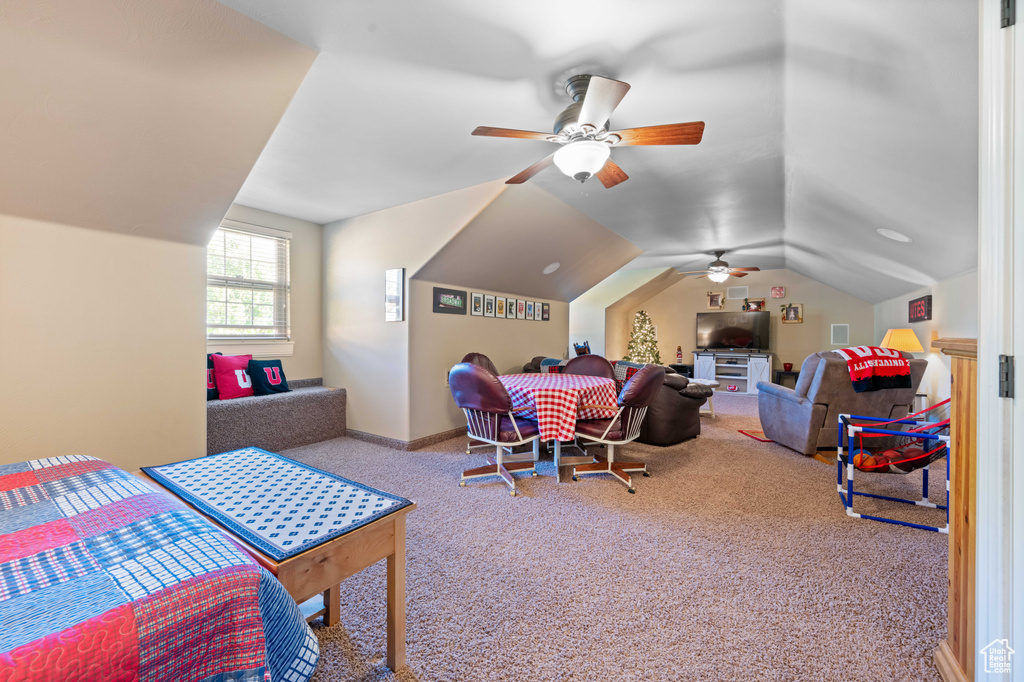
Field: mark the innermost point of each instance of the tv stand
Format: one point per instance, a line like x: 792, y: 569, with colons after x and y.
x: 742, y: 369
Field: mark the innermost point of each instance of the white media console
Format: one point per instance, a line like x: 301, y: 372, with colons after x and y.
x: 733, y: 368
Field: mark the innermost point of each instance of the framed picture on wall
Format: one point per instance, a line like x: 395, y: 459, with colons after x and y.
x: 715, y: 300
x: 488, y: 305
x: 476, y: 303
x: 793, y: 313
x: 499, y: 307
x: 755, y: 305
x: 537, y: 308
x: 546, y: 314
x: 529, y: 310
x: 449, y: 301
x: 520, y: 309
x: 778, y: 292
x: 510, y: 308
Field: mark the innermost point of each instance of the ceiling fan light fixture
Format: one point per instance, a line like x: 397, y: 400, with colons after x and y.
x: 583, y: 158
x: 718, y: 277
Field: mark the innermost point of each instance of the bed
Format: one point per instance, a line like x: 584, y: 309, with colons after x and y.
x: 104, y: 578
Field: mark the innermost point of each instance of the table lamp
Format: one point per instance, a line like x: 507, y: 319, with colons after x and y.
x: 902, y: 339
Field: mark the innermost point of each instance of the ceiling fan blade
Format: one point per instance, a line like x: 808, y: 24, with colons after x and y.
x: 487, y: 131
x: 672, y: 133
x: 525, y: 175
x: 747, y: 269
x: 694, y: 272
x: 611, y: 175
x: 737, y: 274
x: 603, y: 95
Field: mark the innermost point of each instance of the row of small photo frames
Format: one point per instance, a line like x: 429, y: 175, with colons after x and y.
x: 489, y: 305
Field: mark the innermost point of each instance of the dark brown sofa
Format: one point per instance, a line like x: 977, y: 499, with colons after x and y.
x: 806, y: 418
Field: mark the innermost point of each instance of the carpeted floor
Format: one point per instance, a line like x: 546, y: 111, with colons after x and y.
x: 733, y: 561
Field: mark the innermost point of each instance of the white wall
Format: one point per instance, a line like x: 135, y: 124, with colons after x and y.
x: 954, y: 315
x: 101, y: 340
x: 306, y: 258
x: 362, y: 353
x: 441, y: 340
x: 587, y: 312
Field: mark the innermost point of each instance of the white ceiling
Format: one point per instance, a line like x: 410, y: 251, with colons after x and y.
x: 825, y: 121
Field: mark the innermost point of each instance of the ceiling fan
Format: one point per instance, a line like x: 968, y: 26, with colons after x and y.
x: 718, y: 270
x: 582, y: 131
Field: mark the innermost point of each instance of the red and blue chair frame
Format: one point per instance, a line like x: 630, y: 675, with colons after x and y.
x: 848, y: 429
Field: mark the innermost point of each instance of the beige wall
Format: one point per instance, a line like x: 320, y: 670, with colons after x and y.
x: 954, y: 315
x: 674, y: 311
x: 362, y: 353
x: 100, y: 337
x: 440, y: 341
x: 306, y: 254
x: 587, y: 312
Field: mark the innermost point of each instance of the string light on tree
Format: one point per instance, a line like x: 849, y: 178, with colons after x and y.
x: 643, y: 346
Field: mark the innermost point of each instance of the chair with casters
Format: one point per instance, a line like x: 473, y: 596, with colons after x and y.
x: 480, y: 360
x: 489, y: 419
x: 634, y: 399
x: 590, y: 365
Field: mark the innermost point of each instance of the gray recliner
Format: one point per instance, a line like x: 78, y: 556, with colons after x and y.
x: 806, y: 418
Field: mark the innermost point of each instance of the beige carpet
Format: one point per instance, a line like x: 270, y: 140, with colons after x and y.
x: 734, y: 561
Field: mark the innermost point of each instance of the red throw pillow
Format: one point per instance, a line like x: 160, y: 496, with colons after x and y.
x: 231, y: 372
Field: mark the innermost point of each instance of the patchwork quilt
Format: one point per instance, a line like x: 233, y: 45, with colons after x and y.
x: 104, y: 578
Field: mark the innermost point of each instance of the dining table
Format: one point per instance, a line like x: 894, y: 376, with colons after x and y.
x: 557, y: 401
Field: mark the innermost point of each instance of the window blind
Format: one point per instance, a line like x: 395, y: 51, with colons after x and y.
x: 247, y: 286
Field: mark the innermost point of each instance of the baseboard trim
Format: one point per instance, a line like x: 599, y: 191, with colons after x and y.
x: 405, y: 445
x: 947, y: 664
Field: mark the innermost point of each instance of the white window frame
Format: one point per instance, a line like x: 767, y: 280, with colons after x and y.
x: 256, y: 346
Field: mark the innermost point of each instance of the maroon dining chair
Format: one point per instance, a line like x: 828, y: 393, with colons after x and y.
x: 481, y: 360
x: 634, y: 399
x: 489, y: 419
x: 591, y: 366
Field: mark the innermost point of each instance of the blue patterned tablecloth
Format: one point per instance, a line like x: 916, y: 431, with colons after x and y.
x: 277, y: 505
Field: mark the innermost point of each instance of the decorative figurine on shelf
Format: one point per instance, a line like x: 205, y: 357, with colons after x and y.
x: 679, y: 355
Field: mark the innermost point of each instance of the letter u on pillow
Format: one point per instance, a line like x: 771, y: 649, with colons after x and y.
x: 231, y: 372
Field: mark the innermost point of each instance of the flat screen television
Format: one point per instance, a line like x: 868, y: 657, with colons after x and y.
x: 727, y: 331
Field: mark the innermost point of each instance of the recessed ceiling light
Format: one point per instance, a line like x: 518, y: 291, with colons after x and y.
x: 551, y: 268
x: 893, y: 235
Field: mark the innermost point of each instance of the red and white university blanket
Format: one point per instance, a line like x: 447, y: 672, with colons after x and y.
x: 873, y: 368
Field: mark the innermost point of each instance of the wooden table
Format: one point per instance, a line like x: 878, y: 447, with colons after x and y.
x: 321, y: 569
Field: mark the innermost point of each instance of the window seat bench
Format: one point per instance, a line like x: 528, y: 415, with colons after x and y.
x: 309, y: 413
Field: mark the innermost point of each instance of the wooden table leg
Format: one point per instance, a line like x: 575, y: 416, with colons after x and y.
x: 396, y: 598
x: 332, y: 602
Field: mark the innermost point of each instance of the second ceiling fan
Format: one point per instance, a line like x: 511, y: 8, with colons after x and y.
x: 718, y: 270
x: 582, y: 131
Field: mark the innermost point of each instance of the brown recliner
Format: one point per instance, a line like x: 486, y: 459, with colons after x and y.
x: 674, y: 416
x: 807, y: 418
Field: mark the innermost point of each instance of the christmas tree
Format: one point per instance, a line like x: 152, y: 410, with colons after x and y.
x: 643, y: 347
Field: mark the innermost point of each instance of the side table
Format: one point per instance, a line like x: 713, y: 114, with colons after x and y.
x: 780, y: 373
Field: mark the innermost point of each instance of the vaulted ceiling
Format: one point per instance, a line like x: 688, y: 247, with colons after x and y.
x: 825, y: 120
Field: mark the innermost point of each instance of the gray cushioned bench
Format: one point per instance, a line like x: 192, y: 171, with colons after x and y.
x: 309, y: 413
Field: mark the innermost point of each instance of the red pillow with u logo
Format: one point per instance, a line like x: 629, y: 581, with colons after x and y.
x: 231, y: 373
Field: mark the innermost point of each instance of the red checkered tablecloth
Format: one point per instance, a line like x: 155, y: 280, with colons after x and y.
x: 556, y: 401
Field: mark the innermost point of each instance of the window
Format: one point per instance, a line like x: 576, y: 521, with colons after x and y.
x: 247, y: 284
